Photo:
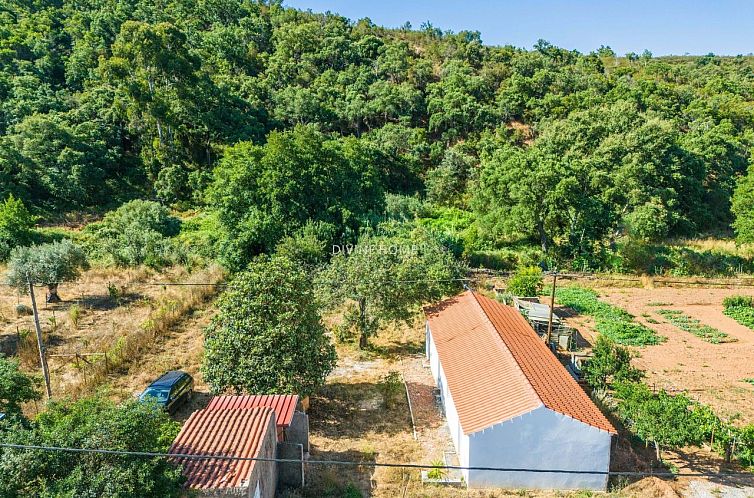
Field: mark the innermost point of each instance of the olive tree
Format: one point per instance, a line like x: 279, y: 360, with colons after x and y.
x: 268, y: 337
x: 46, y: 264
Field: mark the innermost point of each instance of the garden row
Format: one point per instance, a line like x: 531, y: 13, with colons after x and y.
x: 665, y: 420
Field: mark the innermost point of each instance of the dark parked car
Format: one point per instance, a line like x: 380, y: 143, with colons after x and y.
x: 170, y: 390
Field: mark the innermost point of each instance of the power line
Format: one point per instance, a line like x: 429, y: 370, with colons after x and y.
x: 193, y: 456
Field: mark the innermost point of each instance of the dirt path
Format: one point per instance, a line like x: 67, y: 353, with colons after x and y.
x: 432, y: 429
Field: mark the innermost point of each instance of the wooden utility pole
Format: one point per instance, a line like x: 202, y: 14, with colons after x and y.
x: 552, y: 306
x: 40, y: 344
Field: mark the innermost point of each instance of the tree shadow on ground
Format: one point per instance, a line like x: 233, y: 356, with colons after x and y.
x: 702, y: 461
x: 335, y: 481
x: 350, y: 409
x: 397, y: 349
x: 101, y: 302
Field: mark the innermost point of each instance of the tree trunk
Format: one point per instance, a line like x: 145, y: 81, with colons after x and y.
x: 362, y: 323
x: 52, y: 294
x: 543, y: 239
x: 657, y: 451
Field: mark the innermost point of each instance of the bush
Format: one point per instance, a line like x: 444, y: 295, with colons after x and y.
x: 738, y: 301
x: 391, y: 388
x: 310, y: 246
x: 92, y: 423
x: 136, y: 233
x: 16, y: 226
x: 745, y: 446
x: 609, y: 363
x: 648, y: 222
x: 527, y: 282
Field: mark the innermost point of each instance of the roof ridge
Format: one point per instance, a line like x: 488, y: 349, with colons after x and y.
x: 505, y: 347
x: 535, y: 382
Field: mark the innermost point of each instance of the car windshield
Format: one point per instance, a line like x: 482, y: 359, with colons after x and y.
x: 161, y: 395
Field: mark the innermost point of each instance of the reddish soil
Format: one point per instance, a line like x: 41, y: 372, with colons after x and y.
x: 712, y: 373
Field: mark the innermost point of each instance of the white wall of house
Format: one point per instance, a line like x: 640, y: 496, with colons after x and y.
x: 540, y: 439
x: 460, y: 440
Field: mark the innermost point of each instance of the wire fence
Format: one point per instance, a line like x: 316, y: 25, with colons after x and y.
x: 177, y: 456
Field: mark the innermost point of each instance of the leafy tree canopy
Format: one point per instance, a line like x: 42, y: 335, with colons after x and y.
x: 91, y: 423
x: 15, y: 388
x: 46, y: 264
x: 268, y: 337
x: 385, y: 276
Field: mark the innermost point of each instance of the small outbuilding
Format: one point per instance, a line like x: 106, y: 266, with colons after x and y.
x: 292, y: 423
x: 245, y: 433
x: 510, y: 403
x: 292, y: 430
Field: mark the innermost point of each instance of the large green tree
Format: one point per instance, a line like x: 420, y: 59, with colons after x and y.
x: 91, y: 423
x: 268, y: 337
x: 262, y: 193
x: 385, y: 277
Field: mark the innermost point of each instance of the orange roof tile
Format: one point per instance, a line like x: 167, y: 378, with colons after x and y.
x: 283, y: 404
x: 232, y: 432
x: 498, y: 368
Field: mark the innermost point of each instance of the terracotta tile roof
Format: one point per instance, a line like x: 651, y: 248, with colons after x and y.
x: 232, y: 432
x: 498, y: 368
x: 283, y: 404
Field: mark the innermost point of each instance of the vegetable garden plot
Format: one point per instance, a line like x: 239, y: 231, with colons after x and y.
x: 694, y: 326
x: 611, y: 321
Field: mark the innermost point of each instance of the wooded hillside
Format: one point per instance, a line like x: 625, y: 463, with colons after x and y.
x: 269, y: 117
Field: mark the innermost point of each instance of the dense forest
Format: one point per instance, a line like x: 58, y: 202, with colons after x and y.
x: 269, y: 121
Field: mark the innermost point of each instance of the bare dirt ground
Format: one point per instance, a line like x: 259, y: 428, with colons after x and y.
x: 712, y: 373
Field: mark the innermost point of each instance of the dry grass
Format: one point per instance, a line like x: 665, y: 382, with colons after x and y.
x: 106, y: 310
x: 727, y: 246
x: 166, y: 312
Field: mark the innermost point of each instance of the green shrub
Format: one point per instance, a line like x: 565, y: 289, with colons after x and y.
x: 16, y: 226
x: 136, y: 233
x: 611, y: 321
x: 527, y: 282
x: 738, y: 301
x: 438, y: 470
x: 745, y: 446
x: 609, y: 363
x: 391, y: 388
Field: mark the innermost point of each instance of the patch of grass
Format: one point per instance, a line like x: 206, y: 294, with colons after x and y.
x: 74, y: 315
x: 659, y: 303
x: 613, y: 322
x: 750, y: 381
x: 652, y: 320
x: 694, y: 326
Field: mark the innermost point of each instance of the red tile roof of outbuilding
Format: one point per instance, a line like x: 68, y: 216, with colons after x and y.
x: 233, y: 432
x: 498, y: 368
x: 283, y: 404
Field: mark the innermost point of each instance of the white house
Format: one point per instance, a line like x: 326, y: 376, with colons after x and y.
x: 510, y: 403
